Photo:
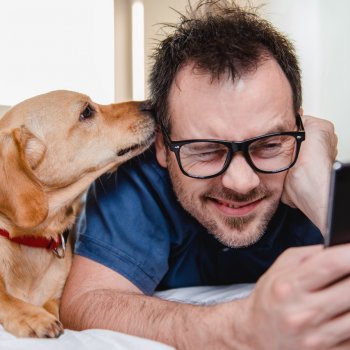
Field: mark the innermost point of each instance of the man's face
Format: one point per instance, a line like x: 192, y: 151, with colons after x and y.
x: 237, y: 205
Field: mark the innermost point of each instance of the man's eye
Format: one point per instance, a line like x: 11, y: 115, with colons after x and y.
x: 87, y: 113
x: 204, y: 155
x: 209, y: 155
x: 271, y: 145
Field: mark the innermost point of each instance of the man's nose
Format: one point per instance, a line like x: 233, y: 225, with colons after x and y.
x: 239, y: 176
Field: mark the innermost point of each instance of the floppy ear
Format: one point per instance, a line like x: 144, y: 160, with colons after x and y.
x: 22, y: 200
x: 31, y: 149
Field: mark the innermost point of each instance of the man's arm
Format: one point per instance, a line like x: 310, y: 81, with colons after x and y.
x: 295, y: 305
x: 307, y: 183
x: 97, y: 297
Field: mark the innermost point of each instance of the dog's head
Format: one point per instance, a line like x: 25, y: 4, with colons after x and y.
x: 53, y: 146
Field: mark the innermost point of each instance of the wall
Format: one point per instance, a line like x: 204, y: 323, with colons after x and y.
x: 56, y: 44
x: 320, y: 30
x: 156, y: 13
x: 122, y: 50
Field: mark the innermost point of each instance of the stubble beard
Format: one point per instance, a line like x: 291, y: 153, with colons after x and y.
x: 233, y: 232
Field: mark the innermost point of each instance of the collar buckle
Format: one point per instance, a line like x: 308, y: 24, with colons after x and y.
x: 60, y: 250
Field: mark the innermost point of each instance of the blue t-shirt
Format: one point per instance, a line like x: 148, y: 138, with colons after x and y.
x: 134, y: 225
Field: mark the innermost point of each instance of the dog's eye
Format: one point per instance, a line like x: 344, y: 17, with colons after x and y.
x: 87, y: 113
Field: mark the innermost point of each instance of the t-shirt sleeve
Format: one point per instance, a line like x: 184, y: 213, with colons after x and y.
x: 124, y: 227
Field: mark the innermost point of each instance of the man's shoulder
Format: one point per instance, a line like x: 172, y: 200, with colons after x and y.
x: 146, y: 166
x: 141, y: 185
x: 141, y: 175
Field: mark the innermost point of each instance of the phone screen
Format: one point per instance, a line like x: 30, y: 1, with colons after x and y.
x: 338, y: 217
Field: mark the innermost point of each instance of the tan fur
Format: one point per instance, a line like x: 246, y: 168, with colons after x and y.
x: 48, y: 158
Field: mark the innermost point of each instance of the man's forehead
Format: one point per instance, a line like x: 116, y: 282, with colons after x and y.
x: 195, y: 81
x: 192, y: 71
x: 262, y: 98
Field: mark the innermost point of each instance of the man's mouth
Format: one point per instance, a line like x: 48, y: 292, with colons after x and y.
x: 231, y: 208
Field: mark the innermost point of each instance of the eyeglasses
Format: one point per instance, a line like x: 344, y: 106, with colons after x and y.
x: 269, y: 154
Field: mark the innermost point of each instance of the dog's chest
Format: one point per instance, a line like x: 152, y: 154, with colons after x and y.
x: 35, y: 275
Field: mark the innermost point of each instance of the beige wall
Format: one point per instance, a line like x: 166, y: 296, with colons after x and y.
x: 122, y: 52
x: 157, y: 12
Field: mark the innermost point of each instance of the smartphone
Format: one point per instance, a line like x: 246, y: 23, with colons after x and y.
x: 338, y: 215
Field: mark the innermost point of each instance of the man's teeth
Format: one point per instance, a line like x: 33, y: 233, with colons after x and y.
x: 230, y: 205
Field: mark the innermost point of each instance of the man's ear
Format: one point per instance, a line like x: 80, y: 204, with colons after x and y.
x: 22, y: 199
x: 161, y: 151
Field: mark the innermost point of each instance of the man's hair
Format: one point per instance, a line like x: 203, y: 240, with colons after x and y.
x: 219, y: 37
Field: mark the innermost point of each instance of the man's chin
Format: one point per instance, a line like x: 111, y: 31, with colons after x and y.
x: 238, y: 233
x: 237, y: 240
x: 243, y: 231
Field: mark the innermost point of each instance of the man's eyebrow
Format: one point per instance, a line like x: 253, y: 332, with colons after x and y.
x: 281, y: 128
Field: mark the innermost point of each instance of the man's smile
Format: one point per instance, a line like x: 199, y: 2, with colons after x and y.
x: 232, y: 208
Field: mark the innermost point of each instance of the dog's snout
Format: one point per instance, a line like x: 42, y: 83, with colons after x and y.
x: 146, y: 106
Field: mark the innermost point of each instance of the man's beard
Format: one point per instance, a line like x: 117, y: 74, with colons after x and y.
x: 234, y: 231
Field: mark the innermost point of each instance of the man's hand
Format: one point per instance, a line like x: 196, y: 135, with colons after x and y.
x: 302, y: 302
x: 307, y: 183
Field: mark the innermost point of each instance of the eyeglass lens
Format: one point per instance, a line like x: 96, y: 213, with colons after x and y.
x: 209, y: 158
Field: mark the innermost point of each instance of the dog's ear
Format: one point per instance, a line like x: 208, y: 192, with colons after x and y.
x: 31, y: 148
x: 22, y: 200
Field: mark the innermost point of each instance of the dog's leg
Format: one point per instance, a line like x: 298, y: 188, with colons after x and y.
x: 26, y: 320
x: 52, y: 306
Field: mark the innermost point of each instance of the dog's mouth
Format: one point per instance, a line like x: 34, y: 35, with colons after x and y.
x: 124, y: 151
x: 146, y: 143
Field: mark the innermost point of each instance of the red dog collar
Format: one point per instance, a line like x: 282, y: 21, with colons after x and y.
x: 57, y: 246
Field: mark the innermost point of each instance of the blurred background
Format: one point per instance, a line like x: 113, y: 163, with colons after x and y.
x: 103, y: 47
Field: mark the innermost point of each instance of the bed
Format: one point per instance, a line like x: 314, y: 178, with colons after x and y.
x: 103, y: 339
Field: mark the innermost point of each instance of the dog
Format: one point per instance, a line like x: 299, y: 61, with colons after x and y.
x: 52, y: 147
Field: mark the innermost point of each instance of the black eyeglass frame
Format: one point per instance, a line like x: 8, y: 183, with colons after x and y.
x: 237, y: 146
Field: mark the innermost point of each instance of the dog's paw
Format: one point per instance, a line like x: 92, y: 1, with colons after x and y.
x: 35, y: 323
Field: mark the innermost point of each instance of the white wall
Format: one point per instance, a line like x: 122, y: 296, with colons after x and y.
x: 56, y: 44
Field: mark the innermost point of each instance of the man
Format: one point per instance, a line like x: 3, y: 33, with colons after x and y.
x: 204, y: 206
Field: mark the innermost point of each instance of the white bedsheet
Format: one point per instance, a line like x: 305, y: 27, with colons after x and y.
x: 95, y: 339
x: 92, y: 339
x: 207, y: 295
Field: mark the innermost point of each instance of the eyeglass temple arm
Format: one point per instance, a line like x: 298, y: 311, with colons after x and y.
x: 300, y: 125
x: 165, y: 134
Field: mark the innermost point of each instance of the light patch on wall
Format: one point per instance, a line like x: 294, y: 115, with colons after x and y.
x: 138, y: 49
x: 50, y: 45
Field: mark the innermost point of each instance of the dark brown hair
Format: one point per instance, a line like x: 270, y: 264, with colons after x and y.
x: 219, y: 37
